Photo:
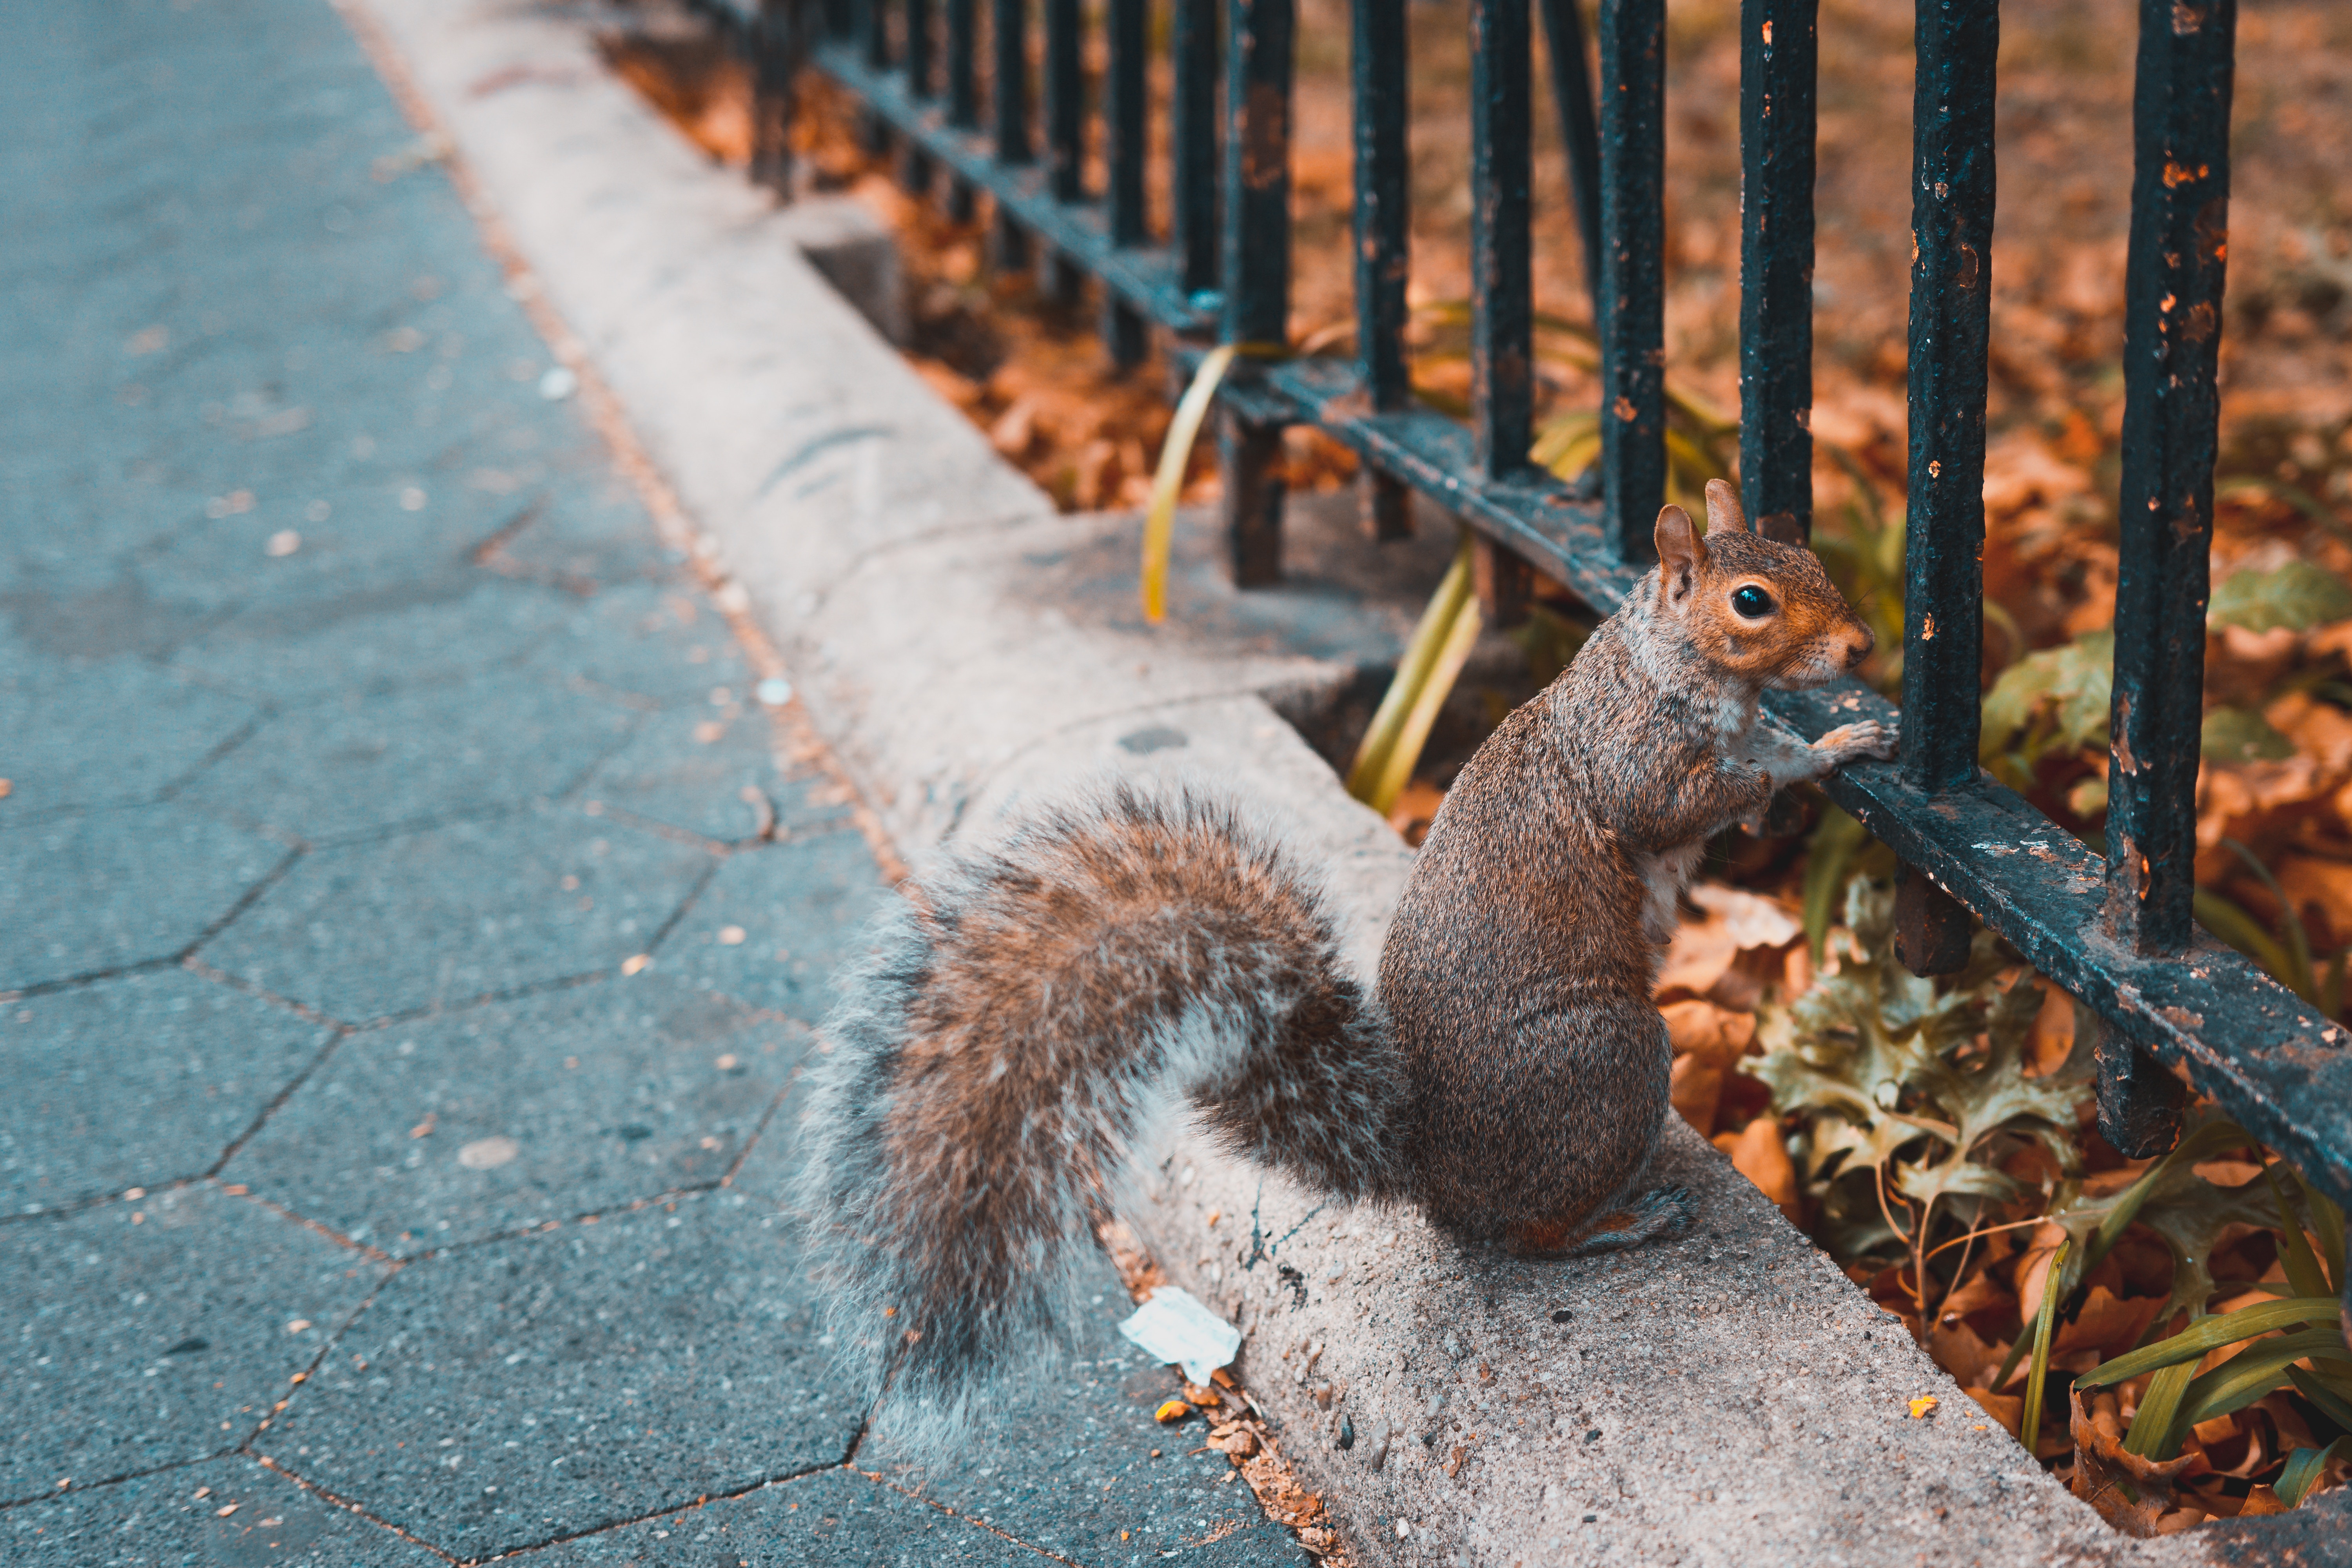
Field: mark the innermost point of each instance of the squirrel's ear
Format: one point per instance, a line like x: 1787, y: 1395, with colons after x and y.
x: 1682, y: 554
x: 1723, y: 513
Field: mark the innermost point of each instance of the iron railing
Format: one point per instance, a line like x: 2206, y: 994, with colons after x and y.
x: 2115, y: 931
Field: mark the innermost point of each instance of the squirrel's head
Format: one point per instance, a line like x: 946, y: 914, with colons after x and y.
x: 1755, y: 603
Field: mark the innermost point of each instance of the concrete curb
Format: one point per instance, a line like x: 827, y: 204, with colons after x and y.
x: 1730, y: 1398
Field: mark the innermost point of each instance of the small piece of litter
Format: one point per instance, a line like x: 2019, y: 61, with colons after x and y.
x: 730, y: 936
x: 1921, y: 1405
x: 1173, y: 1326
x: 773, y: 691
x: 225, y: 1512
x: 636, y: 962
x: 1173, y: 1410
x: 297, y: 1325
x: 285, y: 542
x: 558, y: 384
x: 489, y: 1153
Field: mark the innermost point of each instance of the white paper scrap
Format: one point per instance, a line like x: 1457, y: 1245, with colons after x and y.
x: 1173, y: 1326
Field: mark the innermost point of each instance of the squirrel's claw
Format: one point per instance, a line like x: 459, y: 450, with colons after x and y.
x: 1868, y: 738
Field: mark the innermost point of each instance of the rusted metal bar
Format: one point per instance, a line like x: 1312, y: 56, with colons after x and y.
x: 1502, y: 302
x: 1778, y: 54
x: 1383, y: 239
x: 1958, y: 42
x: 1195, y: 148
x: 1009, y: 25
x: 1256, y: 266
x: 1632, y: 322
x: 1579, y: 134
x: 2172, y: 332
x: 1126, y: 105
x: 772, y: 43
x: 963, y: 92
x: 1066, y: 125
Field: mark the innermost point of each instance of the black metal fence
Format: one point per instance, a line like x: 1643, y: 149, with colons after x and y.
x: 2115, y: 931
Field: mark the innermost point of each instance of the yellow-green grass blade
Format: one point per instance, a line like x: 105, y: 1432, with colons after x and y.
x: 2251, y: 1374
x: 1168, y: 483
x: 2303, y: 1270
x: 1397, y: 770
x: 2303, y: 1468
x: 2334, y: 1406
x: 2328, y: 1221
x: 1412, y: 673
x: 2029, y: 1426
x: 2210, y: 1334
x: 2152, y: 1423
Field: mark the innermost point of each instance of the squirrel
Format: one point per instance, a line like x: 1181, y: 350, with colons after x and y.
x: 1030, y: 1008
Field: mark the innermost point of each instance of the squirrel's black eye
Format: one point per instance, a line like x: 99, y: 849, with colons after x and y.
x: 1752, y: 601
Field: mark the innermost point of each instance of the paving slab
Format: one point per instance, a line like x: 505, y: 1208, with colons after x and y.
x: 833, y: 1519
x: 189, y: 1062
x: 449, y: 1128
x: 368, y: 762
x: 1082, y: 1471
x: 101, y: 890
x: 63, y: 719
x: 778, y: 919
x: 689, y: 766
x: 428, y: 629
x: 157, y: 1332
x: 232, y: 1512
x: 453, y: 915
x: 504, y: 1394
x: 662, y: 643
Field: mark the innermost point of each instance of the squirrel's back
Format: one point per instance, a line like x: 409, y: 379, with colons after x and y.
x: 1022, y: 1017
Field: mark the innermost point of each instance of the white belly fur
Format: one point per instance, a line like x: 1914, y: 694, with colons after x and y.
x: 1666, y: 874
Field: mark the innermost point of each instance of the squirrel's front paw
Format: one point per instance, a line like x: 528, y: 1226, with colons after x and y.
x: 1867, y: 739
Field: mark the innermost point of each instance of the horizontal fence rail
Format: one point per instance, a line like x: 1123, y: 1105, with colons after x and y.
x: 2114, y: 930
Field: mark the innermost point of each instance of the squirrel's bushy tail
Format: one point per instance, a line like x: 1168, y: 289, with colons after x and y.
x: 1023, y: 1015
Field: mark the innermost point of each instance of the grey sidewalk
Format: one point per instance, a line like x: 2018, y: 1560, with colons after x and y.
x: 366, y: 1202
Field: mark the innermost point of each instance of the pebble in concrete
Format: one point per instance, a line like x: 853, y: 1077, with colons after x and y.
x: 446, y: 1129
x: 190, y: 1063
x: 473, y: 908
x: 504, y: 1394
x: 156, y: 1331
x: 91, y: 894
x: 234, y: 1512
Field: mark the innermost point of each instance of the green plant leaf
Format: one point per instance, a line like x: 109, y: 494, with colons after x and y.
x: 2210, y: 1334
x: 2159, y: 1414
x: 2029, y: 1426
x: 1412, y: 673
x: 2251, y: 1374
x: 2328, y: 1221
x: 2067, y: 689
x: 2298, y: 595
x: 2303, y: 1468
x: 2235, y: 736
x: 2303, y: 1270
x: 2334, y: 1406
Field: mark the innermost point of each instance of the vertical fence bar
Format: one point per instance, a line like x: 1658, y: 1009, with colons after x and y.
x: 963, y: 91
x: 1571, y: 92
x: 774, y: 62
x: 1383, y: 240
x: 1502, y: 350
x: 874, y: 41
x: 915, y: 172
x: 1633, y: 324
x: 1125, y: 103
x: 841, y: 18
x: 1194, y: 150
x: 1066, y: 109
x: 1778, y: 52
x: 1502, y: 302
x: 2172, y: 333
x: 1952, y: 183
x: 1009, y: 21
x: 1256, y: 266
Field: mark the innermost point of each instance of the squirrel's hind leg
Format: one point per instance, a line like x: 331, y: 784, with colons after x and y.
x: 1660, y: 1212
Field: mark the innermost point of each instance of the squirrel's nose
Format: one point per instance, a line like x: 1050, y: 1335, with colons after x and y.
x: 1859, y: 649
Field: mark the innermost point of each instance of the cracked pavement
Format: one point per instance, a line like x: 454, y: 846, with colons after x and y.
x: 410, y: 938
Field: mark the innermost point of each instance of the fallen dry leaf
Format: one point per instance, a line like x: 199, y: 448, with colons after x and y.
x: 2130, y: 1492
x: 2008, y: 1409
x: 1172, y: 1411
x: 1758, y: 1154
x: 1922, y: 1405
